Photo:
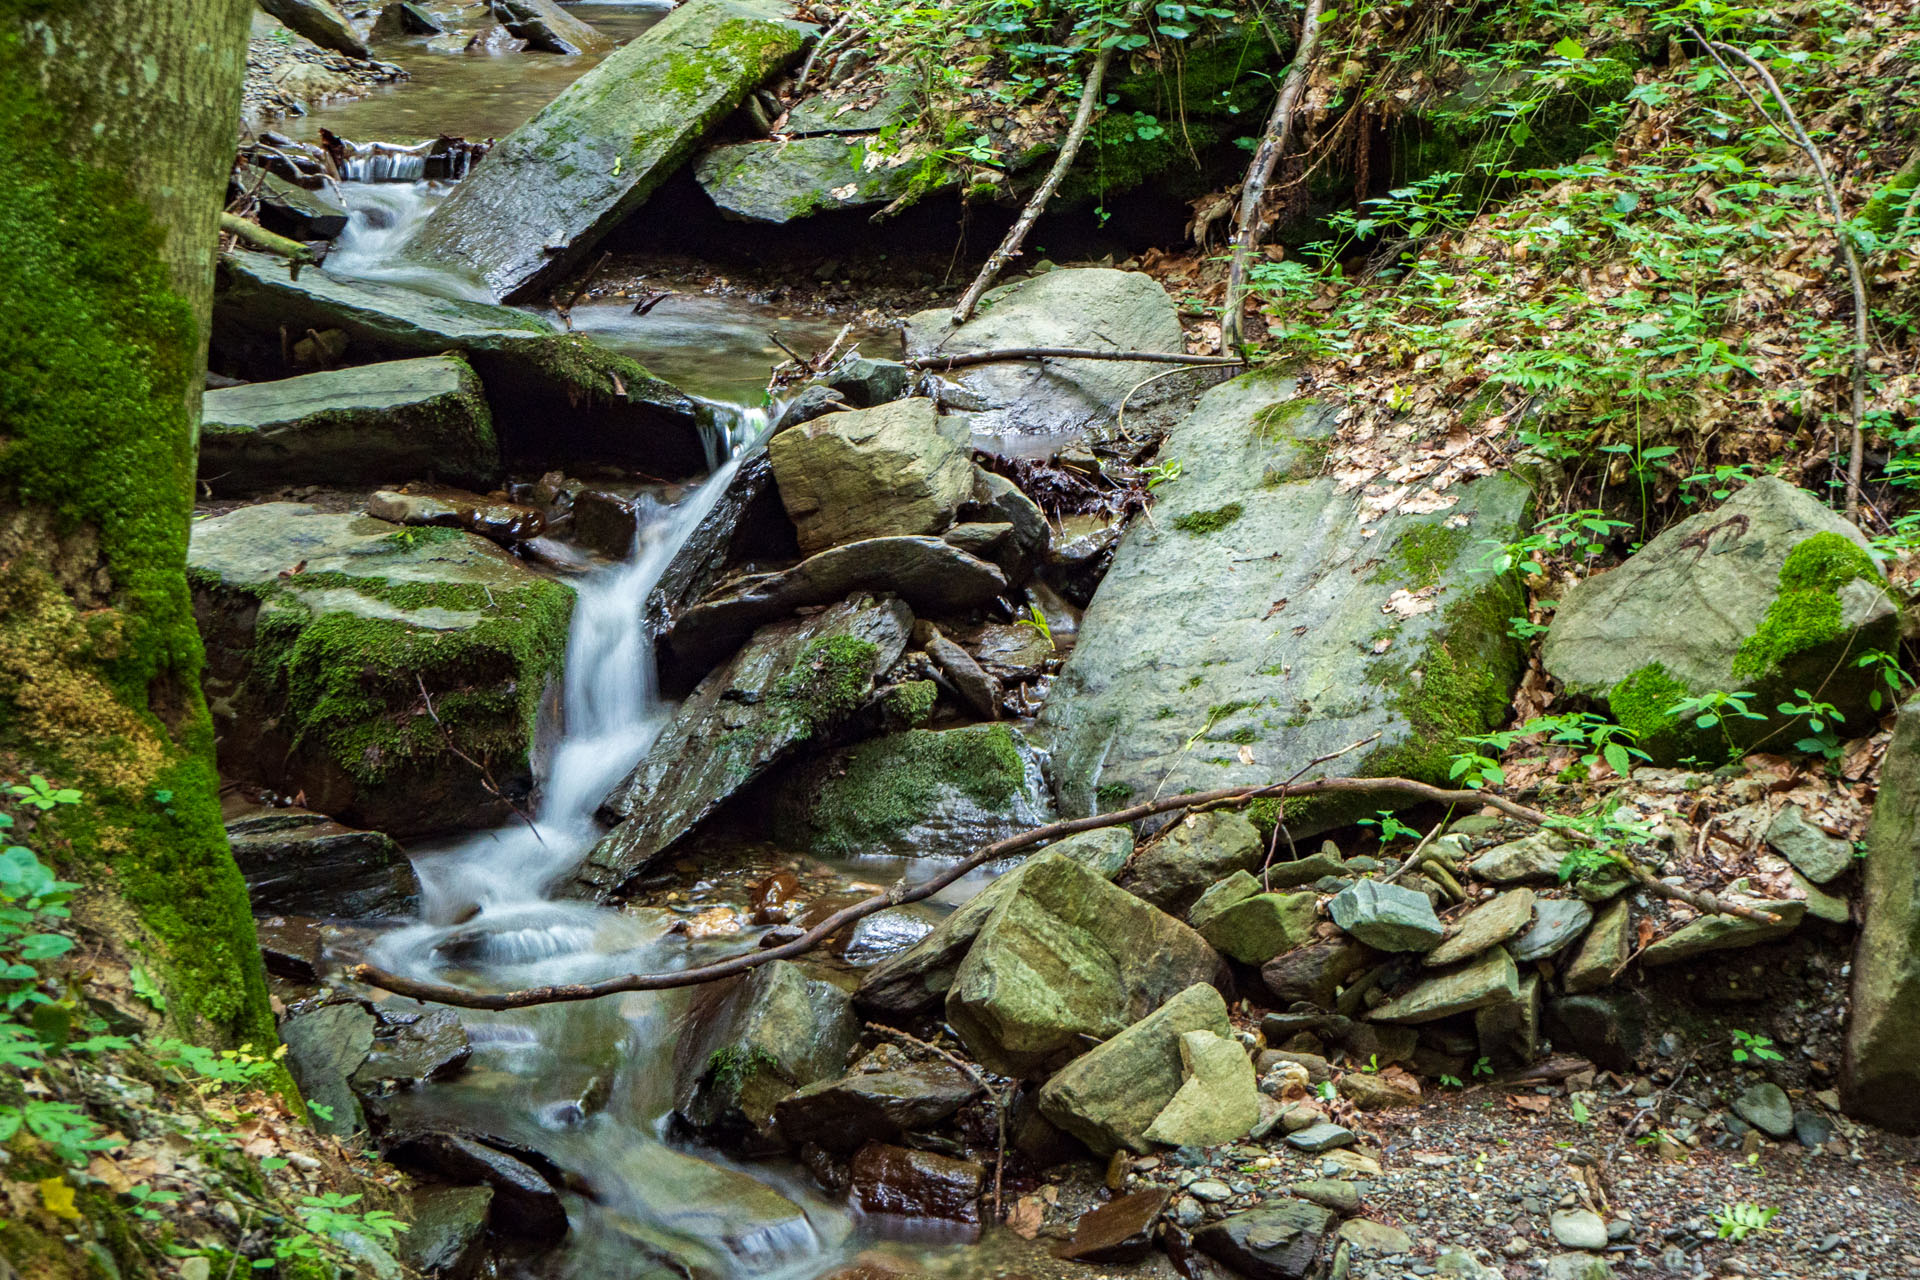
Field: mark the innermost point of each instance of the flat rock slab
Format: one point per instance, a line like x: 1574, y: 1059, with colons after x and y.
x: 423, y: 419
x: 1253, y: 619
x: 792, y: 682
x: 1278, y: 1241
x: 779, y: 182
x: 1109, y: 1096
x: 1489, y: 979
x: 547, y: 193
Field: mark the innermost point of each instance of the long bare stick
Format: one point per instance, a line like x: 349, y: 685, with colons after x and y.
x: 1069, y: 148
x: 1273, y: 145
x: 962, y: 359
x: 1796, y: 134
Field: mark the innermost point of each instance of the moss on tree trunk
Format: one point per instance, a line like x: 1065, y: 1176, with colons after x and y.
x: 116, y: 121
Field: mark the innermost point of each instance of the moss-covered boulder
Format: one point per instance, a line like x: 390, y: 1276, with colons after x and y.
x: 553, y: 187
x: 1254, y: 624
x: 358, y: 663
x: 1769, y: 594
x: 776, y: 182
x: 423, y: 419
x: 931, y: 793
x: 554, y: 397
x: 792, y: 684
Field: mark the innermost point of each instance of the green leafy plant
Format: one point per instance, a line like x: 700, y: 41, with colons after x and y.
x: 1748, y: 1047
x: 1736, y: 1222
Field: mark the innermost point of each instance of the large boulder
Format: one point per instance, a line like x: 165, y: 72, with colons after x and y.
x: 793, y: 683
x: 1254, y: 624
x: 894, y: 470
x: 926, y: 793
x: 423, y: 419
x: 1035, y: 406
x: 1881, y: 1079
x: 321, y: 22
x: 1110, y: 1096
x: 554, y: 396
x: 1067, y: 955
x: 370, y: 666
x: 1770, y: 593
x: 777, y: 182
x: 300, y: 863
x: 552, y: 188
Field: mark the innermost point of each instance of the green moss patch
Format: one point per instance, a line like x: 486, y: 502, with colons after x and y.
x: 1807, y: 613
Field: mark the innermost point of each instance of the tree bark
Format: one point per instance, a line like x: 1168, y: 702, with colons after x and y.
x: 116, y: 133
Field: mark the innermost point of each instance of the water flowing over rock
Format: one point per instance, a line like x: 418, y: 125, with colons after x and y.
x: 1768, y: 593
x: 1110, y: 1096
x: 890, y: 471
x: 305, y: 864
x: 792, y: 682
x: 1881, y: 1079
x: 421, y: 419
x: 553, y: 396
x: 1253, y: 625
x: 551, y: 189
x: 368, y: 666
x: 1038, y: 405
x: 778, y: 182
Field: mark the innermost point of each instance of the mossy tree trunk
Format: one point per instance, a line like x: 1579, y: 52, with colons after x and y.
x: 116, y: 129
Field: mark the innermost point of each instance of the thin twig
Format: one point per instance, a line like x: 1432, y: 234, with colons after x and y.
x: 980, y: 1081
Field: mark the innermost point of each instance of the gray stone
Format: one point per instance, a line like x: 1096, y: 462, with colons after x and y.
x: 1819, y: 856
x: 1605, y: 951
x: 1280, y: 1240
x: 1534, y: 857
x: 931, y: 576
x: 1578, y: 1229
x: 1109, y: 1096
x: 1387, y: 917
x: 1489, y: 979
x: 1487, y: 925
x: 325, y: 1046
x: 548, y: 28
x: 1182, y: 659
x: 865, y: 1106
x: 755, y: 1040
x: 301, y: 863
x: 1880, y: 1080
x: 792, y: 683
x: 1189, y: 856
x: 1067, y: 955
x: 1725, y: 933
x: 779, y: 182
x: 403, y: 420
x: 321, y: 631
x: 1766, y: 1107
x: 446, y: 1230
x: 1219, y: 1100
x: 1557, y: 922
x: 1323, y: 1136
x: 321, y: 22
x: 553, y: 396
x: 551, y: 189
x: 895, y: 470
x: 1682, y: 616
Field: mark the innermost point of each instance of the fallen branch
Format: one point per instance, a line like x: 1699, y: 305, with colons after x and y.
x: 901, y: 893
x: 1856, y: 278
x: 965, y: 358
x: 261, y: 238
x: 1069, y: 148
x: 1273, y: 144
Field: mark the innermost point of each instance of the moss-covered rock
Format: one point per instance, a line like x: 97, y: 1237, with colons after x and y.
x: 357, y: 662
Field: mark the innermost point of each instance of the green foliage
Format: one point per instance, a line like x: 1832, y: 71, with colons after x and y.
x: 1736, y: 1222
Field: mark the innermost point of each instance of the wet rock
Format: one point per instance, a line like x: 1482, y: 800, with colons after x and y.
x: 375, y: 424
x: 1766, y: 1107
x: 554, y: 397
x: 503, y: 522
x: 1387, y: 917
x: 301, y: 863
x: 1819, y: 856
x: 1534, y: 857
x: 918, y: 979
x: 1190, y: 856
x: 1032, y: 405
x: 1269, y: 594
x: 754, y: 1041
x: 321, y: 22
x: 1880, y: 1081
x: 1110, y: 1096
x: 322, y: 631
x: 902, y: 1183
x: 403, y: 1054
x: 1765, y: 594
x: 1578, y: 1229
x: 1558, y: 921
x: 1218, y: 1102
x: 446, y: 1231
x: 1487, y: 925
x: 1725, y: 933
x: 924, y: 793
x: 1118, y: 1232
x: 896, y: 470
x: 780, y: 182
x: 1067, y: 955
x: 1316, y: 972
x: 1488, y: 979
x: 287, y: 209
x: 1320, y: 1136
x: 842, y: 1114
x: 1281, y: 1240
x: 791, y: 683
x: 528, y: 216
x: 1251, y: 926
x: 548, y: 28
x: 325, y: 1046
x: 402, y: 18
x: 1605, y: 951
x: 931, y: 576
x: 525, y: 1204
